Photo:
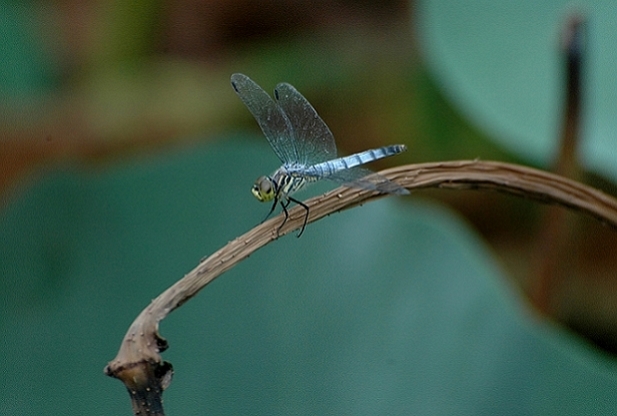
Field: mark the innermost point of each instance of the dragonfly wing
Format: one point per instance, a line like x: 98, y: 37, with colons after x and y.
x: 273, y: 121
x: 312, y: 137
x: 363, y: 178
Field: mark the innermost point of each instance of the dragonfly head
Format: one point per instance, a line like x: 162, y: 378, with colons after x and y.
x: 264, y: 189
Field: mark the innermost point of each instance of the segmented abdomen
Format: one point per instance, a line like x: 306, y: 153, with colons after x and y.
x: 330, y: 167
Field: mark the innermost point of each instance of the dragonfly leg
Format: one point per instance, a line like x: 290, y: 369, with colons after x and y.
x: 284, y: 205
x: 303, y: 205
x: 271, y: 211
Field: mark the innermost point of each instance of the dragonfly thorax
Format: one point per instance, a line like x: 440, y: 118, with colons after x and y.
x: 289, y: 179
x: 280, y: 184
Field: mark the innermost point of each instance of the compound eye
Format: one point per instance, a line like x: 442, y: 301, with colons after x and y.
x: 263, y: 189
x: 265, y: 186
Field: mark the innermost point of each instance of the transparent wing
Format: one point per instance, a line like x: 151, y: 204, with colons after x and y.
x: 312, y: 138
x: 367, y: 179
x: 275, y: 125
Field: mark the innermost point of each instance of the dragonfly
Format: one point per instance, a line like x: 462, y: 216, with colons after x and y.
x: 306, y: 146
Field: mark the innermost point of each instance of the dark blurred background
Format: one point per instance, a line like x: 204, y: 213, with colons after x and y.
x: 119, y: 127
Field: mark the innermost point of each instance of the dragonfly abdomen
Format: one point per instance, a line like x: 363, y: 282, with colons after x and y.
x: 331, y: 167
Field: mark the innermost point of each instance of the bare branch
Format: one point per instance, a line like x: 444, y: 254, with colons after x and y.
x: 139, y: 363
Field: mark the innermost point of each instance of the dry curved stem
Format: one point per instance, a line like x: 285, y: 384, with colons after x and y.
x: 139, y: 363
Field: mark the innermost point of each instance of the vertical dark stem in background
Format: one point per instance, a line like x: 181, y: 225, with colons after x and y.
x: 573, y: 48
x: 555, y: 234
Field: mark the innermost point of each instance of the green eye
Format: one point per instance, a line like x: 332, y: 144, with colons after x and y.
x: 263, y: 189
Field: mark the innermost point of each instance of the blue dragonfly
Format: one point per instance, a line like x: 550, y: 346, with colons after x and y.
x: 305, y: 145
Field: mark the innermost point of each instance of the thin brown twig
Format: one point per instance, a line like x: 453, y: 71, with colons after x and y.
x: 139, y: 363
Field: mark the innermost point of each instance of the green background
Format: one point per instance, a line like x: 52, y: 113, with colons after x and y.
x: 395, y: 307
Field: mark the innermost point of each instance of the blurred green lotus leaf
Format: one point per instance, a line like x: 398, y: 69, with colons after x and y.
x: 395, y: 307
x: 500, y: 63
